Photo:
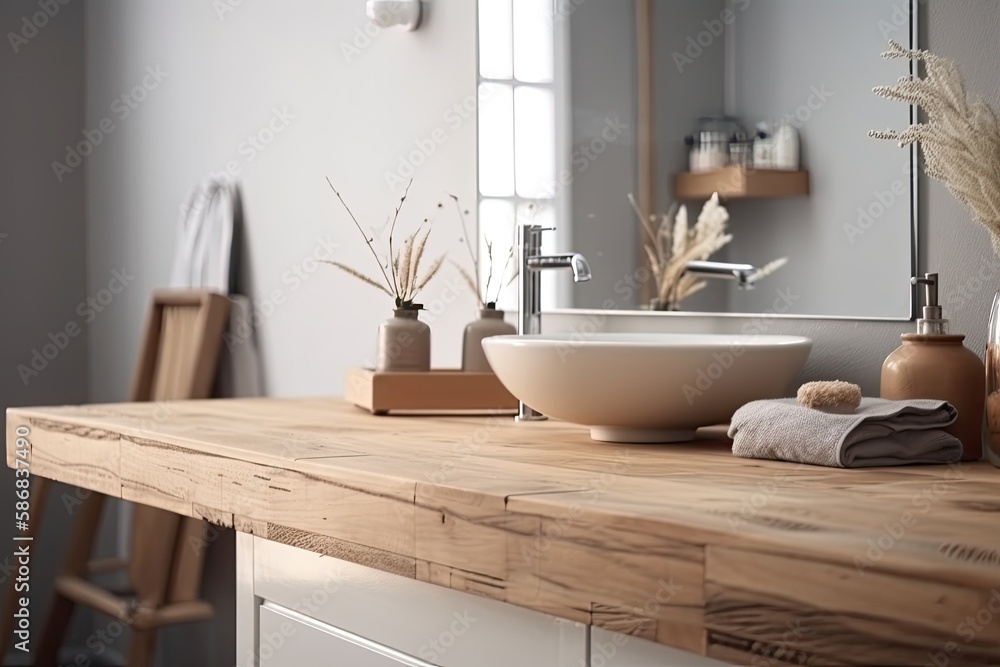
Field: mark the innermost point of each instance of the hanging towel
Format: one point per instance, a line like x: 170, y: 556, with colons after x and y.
x: 207, y: 242
x: 878, y: 433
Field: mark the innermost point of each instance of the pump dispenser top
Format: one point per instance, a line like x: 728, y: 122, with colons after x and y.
x: 932, y: 323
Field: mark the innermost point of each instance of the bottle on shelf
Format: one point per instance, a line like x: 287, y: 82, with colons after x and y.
x: 786, y: 147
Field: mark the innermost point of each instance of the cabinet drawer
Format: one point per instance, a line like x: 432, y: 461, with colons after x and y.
x: 287, y: 639
x: 435, y: 624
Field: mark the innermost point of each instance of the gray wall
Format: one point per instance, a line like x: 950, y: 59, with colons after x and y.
x: 42, y: 250
x: 43, y: 253
x: 682, y: 97
x: 603, y: 75
x: 603, y: 87
x: 952, y: 243
x: 817, y: 61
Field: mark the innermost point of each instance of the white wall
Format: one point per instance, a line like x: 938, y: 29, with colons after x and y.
x: 353, y: 121
x: 358, y: 105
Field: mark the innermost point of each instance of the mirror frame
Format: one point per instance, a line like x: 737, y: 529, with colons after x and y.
x: 646, y: 162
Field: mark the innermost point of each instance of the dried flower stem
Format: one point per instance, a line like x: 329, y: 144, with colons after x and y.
x: 474, y: 256
x: 357, y: 274
x: 475, y: 281
x: 368, y: 240
x: 392, y: 227
x: 506, y: 264
x: 489, y: 256
x: 418, y: 252
x: 469, y: 280
x: 404, y: 265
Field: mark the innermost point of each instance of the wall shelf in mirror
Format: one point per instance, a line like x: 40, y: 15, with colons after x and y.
x: 736, y: 182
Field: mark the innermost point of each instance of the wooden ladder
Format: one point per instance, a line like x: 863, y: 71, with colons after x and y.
x: 178, y: 361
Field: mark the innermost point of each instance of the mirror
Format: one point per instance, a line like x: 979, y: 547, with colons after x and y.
x: 583, y: 102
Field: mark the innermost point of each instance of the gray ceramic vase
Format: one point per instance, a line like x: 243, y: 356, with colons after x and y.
x: 490, y: 323
x: 404, y: 343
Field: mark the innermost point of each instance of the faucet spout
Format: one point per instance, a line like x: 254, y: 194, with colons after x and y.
x: 581, y: 268
x: 741, y: 273
x: 575, y: 261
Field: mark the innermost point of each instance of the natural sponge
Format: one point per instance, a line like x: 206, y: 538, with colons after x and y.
x: 834, y: 396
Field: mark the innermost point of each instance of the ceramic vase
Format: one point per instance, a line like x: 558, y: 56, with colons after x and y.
x: 490, y: 323
x: 404, y: 343
x: 661, y: 305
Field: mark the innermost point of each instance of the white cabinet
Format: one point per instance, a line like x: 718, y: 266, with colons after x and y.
x: 610, y: 649
x: 286, y: 639
x: 296, y: 608
x: 433, y: 624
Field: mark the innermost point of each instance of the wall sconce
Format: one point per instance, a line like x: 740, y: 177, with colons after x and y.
x: 388, y: 13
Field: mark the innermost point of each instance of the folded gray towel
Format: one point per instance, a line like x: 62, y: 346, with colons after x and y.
x: 878, y: 433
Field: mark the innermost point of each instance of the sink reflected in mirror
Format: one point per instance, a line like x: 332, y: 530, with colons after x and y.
x: 645, y: 388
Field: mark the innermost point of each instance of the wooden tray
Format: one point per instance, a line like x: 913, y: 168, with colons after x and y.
x: 434, y: 391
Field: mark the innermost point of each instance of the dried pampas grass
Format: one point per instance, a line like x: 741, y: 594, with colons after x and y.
x: 401, y: 268
x: 960, y: 138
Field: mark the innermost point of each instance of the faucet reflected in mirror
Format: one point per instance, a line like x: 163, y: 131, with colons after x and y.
x: 529, y: 320
x: 743, y: 274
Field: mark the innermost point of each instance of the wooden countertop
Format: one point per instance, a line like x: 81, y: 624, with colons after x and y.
x: 752, y: 562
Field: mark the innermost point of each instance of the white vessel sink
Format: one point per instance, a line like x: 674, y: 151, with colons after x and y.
x: 645, y: 388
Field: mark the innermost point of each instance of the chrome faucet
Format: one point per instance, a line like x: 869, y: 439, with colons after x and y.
x: 532, y: 261
x: 741, y: 273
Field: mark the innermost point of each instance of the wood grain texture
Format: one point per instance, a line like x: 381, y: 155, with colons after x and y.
x: 754, y: 562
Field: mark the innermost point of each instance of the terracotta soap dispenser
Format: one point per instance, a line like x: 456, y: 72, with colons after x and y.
x: 933, y: 364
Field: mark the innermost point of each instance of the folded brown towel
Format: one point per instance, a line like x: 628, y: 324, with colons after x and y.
x: 878, y: 433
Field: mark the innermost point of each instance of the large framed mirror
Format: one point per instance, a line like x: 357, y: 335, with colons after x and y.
x: 768, y: 102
